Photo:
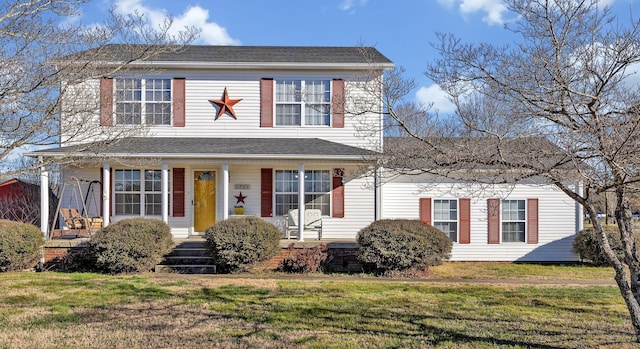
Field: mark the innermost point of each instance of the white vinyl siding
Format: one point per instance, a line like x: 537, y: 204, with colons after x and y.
x: 200, y: 87
x: 558, y: 217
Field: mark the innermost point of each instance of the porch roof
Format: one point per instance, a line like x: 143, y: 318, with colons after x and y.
x: 225, y: 148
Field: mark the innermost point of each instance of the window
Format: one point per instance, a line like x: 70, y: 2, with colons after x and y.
x: 303, y: 102
x: 153, y: 192
x: 127, y: 192
x: 445, y: 217
x: 138, y: 192
x: 317, y: 188
x: 513, y: 220
x: 135, y: 98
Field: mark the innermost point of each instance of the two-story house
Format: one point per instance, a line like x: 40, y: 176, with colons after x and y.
x: 209, y: 127
x: 217, y: 126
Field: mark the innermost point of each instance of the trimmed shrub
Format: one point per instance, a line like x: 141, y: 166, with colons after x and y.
x: 585, y: 245
x: 305, y: 260
x: 131, y: 245
x: 20, y: 245
x: 236, y: 244
x: 402, y: 245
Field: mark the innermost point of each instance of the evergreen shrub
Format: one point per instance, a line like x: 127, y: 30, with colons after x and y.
x: 236, y: 244
x: 399, y: 245
x: 131, y: 245
x: 20, y: 245
x: 585, y: 245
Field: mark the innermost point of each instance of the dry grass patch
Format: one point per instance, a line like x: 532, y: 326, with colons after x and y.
x: 507, y: 270
x: 178, y: 311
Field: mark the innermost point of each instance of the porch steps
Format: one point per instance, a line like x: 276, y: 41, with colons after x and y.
x: 188, y: 257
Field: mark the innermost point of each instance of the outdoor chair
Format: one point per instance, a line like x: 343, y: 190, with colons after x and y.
x: 73, y: 219
x: 312, y: 222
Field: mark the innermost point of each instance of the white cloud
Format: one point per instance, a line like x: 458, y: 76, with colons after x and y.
x: 347, y: 5
x: 193, y: 16
x: 493, y: 9
x: 434, y: 95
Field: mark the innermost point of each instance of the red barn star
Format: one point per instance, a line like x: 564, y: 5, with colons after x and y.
x: 240, y: 198
x: 225, y: 104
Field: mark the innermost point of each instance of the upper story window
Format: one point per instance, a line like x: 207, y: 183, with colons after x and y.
x: 445, y: 217
x: 303, y: 103
x: 143, y: 101
x: 513, y: 220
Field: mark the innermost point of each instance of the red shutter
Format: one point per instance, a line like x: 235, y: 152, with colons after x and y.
x: 493, y: 221
x: 338, y: 193
x: 337, y: 99
x: 266, y: 103
x: 266, y: 192
x: 178, y: 102
x: 532, y: 221
x: 106, y: 102
x: 425, y: 210
x: 178, y: 192
x: 465, y: 220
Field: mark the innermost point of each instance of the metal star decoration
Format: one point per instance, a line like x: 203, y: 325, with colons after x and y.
x: 240, y: 198
x: 225, y: 104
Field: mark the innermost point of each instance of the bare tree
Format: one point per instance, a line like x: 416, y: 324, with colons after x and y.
x: 558, y: 104
x: 40, y: 64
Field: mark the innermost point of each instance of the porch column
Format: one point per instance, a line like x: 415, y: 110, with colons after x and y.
x: 377, y: 193
x: 44, y: 200
x: 225, y: 191
x: 165, y: 192
x: 106, y: 193
x: 301, y: 202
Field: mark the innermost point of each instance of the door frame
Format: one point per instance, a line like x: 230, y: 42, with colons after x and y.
x: 192, y: 230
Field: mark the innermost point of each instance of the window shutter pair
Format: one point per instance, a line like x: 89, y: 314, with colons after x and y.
x: 106, y: 102
x: 493, y: 221
x: 266, y: 103
x: 266, y: 193
x: 464, y: 229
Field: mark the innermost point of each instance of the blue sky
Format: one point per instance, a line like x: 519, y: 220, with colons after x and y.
x: 400, y: 29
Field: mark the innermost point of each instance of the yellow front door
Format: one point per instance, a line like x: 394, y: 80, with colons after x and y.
x: 204, y: 200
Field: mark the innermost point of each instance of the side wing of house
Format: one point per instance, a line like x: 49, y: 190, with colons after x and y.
x: 522, y: 222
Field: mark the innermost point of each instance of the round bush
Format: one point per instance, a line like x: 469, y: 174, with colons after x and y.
x: 401, y: 245
x: 131, y: 245
x: 236, y: 244
x: 585, y: 245
x: 20, y: 245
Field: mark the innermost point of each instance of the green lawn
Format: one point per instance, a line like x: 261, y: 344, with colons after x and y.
x: 54, y: 310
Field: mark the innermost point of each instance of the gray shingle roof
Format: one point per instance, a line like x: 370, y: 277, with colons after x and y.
x: 256, y: 54
x: 282, y: 148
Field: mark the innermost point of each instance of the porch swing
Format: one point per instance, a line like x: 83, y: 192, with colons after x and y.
x: 77, y: 224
